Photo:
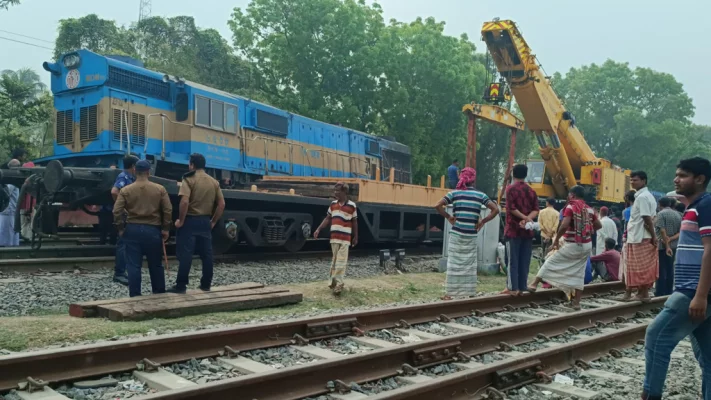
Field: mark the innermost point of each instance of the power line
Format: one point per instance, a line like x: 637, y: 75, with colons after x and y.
x: 28, y: 44
x: 28, y: 37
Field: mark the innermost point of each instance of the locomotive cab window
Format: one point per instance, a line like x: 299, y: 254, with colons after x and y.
x: 216, y: 114
x: 202, y: 109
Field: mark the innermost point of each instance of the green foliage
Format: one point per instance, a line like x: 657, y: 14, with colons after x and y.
x: 25, y: 111
x: 337, y: 61
x: 5, y: 4
x: 636, y: 118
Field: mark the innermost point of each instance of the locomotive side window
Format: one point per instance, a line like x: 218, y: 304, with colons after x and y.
x: 217, y: 110
x: 231, y: 121
x: 202, y: 108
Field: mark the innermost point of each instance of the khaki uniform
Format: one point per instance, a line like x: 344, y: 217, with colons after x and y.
x: 149, y: 212
x: 195, y: 236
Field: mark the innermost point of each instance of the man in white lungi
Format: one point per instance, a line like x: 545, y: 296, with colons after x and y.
x: 565, y: 269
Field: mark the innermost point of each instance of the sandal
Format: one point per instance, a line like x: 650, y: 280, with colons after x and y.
x: 532, y: 289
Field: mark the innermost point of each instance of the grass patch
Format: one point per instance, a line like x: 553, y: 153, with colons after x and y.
x: 21, y: 333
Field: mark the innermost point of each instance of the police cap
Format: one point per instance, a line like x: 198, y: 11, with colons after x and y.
x: 143, y: 166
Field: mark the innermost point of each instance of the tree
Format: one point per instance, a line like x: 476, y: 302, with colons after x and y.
x: 25, y: 110
x: 7, y: 3
x: 316, y: 57
x: 337, y: 61
x: 174, y: 46
x: 96, y: 34
x: 635, y: 118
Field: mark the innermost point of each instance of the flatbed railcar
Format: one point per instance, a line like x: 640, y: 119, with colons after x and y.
x: 110, y: 106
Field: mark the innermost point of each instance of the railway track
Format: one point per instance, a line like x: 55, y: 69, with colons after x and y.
x: 470, y: 330
x: 60, y: 258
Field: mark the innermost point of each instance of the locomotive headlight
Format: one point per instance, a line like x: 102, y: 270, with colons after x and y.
x: 71, y: 61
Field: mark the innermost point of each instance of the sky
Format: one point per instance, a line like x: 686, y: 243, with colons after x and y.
x: 659, y: 34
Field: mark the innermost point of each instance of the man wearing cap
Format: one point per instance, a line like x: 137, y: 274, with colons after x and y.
x: 147, y: 225
x: 201, y: 206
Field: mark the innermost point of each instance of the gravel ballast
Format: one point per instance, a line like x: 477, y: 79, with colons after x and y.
x: 32, y: 293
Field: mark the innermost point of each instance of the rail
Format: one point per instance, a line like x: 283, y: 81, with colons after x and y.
x: 93, y: 360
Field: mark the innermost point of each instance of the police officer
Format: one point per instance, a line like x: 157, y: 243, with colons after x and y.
x: 201, y: 206
x: 125, y: 178
x: 148, y: 216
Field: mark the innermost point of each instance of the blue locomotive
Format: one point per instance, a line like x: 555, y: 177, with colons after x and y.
x: 107, y: 106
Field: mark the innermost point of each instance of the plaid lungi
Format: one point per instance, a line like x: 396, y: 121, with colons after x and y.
x: 461, y: 265
x: 641, y: 264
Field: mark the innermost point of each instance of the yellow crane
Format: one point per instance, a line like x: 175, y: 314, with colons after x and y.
x: 567, y: 157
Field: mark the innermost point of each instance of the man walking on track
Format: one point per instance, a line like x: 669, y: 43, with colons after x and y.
x: 125, y: 178
x: 641, y: 256
x: 148, y: 214
x: 686, y: 311
x: 521, y: 209
x: 201, y: 206
x: 342, y: 217
x: 667, y: 226
x: 565, y: 269
x: 466, y: 223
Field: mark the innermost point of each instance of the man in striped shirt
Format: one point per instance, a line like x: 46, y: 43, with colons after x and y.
x: 342, y: 216
x: 686, y: 312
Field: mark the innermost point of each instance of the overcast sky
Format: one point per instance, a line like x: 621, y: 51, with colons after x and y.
x: 668, y: 36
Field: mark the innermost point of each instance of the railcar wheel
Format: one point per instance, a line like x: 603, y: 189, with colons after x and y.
x: 298, y: 239
x: 225, y: 235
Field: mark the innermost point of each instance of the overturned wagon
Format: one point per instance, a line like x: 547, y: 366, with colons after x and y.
x: 275, y: 212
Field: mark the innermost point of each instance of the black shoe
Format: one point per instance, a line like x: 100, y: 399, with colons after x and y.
x: 176, y: 289
x: 204, y: 289
x: 120, y: 279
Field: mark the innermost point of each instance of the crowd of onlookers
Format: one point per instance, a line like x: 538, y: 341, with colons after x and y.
x: 665, y: 245
x: 9, y: 235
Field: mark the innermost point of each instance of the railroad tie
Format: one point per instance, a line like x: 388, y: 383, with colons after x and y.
x: 317, y: 352
x: 606, y: 376
x: 162, y: 380
x: 245, y: 365
x: 372, y: 342
x: 567, y: 390
x: 46, y: 394
x: 414, y: 379
x: 421, y: 334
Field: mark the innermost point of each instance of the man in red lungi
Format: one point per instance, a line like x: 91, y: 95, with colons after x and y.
x: 641, y: 255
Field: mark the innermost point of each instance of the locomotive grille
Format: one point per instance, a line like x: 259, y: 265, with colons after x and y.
x: 65, y: 127
x: 117, y: 127
x: 138, y: 129
x: 88, y: 123
x: 139, y: 84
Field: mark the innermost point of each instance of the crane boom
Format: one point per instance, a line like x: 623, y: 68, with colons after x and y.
x: 568, y: 158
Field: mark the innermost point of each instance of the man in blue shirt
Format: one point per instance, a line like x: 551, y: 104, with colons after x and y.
x: 125, y: 178
x: 686, y: 312
x: 453, y: 174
